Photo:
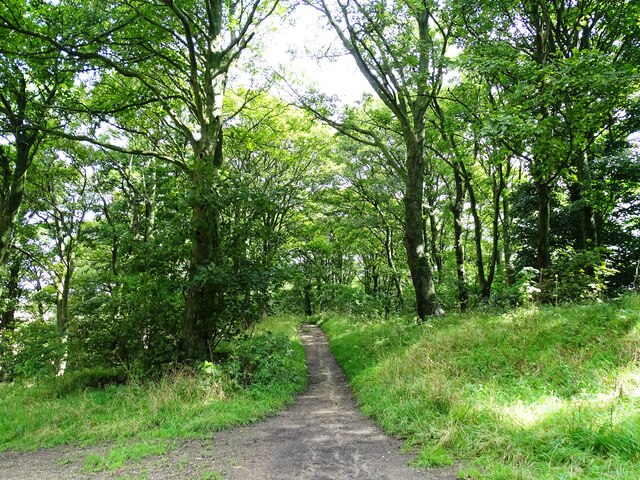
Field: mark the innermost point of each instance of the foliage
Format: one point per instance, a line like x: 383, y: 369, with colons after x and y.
x: 525, y: 289
x: 89, y: 378
x: 576, y: 276
x: 92, y: 406
x: 159, y: 204
x: 260, y: 361
x: 138, y: 328
x: 533, y: 393
x: 348, y: 299
x: 32, y: 350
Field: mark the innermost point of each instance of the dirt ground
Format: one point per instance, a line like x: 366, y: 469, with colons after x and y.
x: 321, y: 436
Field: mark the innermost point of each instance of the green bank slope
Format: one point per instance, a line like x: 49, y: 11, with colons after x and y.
x: 537, y: 393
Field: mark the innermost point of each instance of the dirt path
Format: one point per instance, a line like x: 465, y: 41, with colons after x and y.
x: 322, y: 436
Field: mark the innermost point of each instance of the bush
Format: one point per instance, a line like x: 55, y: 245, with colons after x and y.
x: 138, y: 327
x: 34, y: 349
x: 262, y: 361
x: 183, y: 403
x: 576, y: 275
x: 526, y: 289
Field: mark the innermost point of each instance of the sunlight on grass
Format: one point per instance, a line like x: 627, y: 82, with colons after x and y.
x: 527, y: 415
x: 538, y: 393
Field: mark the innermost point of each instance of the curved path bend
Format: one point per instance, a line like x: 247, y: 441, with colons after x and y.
x: 322, y: 436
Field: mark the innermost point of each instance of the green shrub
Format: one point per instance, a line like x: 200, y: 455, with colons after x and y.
x: 262, y: 360
x: 526, y: 288
x: 76, y: 409
x: 138, y: 327
x: 34, y: 349
x: 575, y: 276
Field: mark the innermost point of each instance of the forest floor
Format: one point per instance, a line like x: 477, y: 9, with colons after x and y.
x: 322, y: 436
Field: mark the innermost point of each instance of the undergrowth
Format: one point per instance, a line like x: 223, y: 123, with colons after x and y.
x: 536, y: 393
x: 260, y: 377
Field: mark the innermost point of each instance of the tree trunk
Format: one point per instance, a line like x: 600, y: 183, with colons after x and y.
x: 7, y: 319
x: 203, y: 302
x: 588, y: 238
x: 62, y: 307
x: 506, y: 230
x: 543, y: 258
x: 150, y: 203
x: 308, y: 301
x: 495, y: 234
x: 14, y: 178
x: 62, y: 299
x: 421, y: 275
x: 456, y: 209
x: 477, y: 230
x: 263, y: 295
x: 388, y: 248
x: 436, y: 253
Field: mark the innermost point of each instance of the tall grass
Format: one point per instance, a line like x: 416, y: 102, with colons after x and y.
x: 537, y: 393
x: 179, y: 405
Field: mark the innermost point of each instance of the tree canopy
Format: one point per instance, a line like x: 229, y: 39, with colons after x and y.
x: 155, y: 204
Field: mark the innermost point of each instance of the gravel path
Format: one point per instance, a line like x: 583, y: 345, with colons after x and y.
x: 321, y: 436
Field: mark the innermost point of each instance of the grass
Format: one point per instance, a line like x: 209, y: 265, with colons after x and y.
x: 140, y: 418
x: 117, y: 457
x: 536, y: 393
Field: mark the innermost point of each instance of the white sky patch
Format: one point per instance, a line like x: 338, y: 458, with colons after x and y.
x: 297, y: 45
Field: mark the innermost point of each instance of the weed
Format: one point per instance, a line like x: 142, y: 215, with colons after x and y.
x: 210, y: 475
x: 117, y: 457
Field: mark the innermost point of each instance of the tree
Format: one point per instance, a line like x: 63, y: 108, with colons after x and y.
x: 564, y: 72
x: 368, y: 197
x: 400, y: 48
x: 33, y: 77
x: 60, y: 199
x: 167, y: 61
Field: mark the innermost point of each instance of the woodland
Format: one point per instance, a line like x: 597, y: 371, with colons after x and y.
x: 153, y: 205
x: 164, y: 193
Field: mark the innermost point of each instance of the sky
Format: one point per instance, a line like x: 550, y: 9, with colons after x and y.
x: 299, y: 41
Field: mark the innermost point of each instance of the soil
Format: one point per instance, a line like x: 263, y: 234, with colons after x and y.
x: 321, y: 436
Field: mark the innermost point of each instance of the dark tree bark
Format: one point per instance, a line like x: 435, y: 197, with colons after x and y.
x: 415, y: 241
x: 388, y: 249
x: 543, y: 256
x: 477, y: 230
x: 587, y: 237
x: 498, y: 189
x: 204, y: 301
x: 434, y: 238
x: 457, y: 208
x: 308, y: 299
x: 12, y: 293
x: 14, y: 175
x: 506, y: 227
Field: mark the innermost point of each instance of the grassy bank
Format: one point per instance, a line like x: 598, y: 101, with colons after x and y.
x: 180, y: 405
x: 538, y: 393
